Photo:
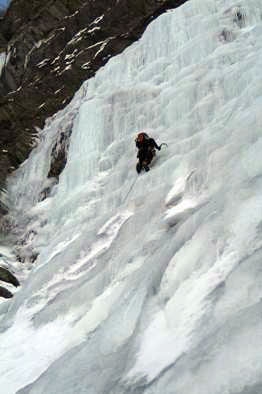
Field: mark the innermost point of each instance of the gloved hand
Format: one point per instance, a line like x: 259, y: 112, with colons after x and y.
x: 159, y: 148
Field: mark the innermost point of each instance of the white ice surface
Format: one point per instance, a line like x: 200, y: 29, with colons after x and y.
x: 2, y: 61
x: 148, y: 284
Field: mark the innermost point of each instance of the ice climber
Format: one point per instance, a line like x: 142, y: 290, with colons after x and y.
x: 146, y: 151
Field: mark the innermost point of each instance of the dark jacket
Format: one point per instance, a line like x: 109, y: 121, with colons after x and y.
x: 147, y: 144
x: 146, y: 149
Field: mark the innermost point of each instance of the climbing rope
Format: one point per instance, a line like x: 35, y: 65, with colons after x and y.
x: 129, y: 191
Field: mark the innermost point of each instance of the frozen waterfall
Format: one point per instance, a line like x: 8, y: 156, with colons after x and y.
x: 153, y: 283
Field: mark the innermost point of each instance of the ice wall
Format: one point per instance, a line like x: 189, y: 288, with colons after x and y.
x: 148, y: 284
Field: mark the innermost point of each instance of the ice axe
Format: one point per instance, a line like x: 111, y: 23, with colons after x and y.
x: 163, y: 144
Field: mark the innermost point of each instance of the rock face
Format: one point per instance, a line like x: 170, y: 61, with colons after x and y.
x: 50, y: 48
x: 4, y: 293
x: 8, y: 277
